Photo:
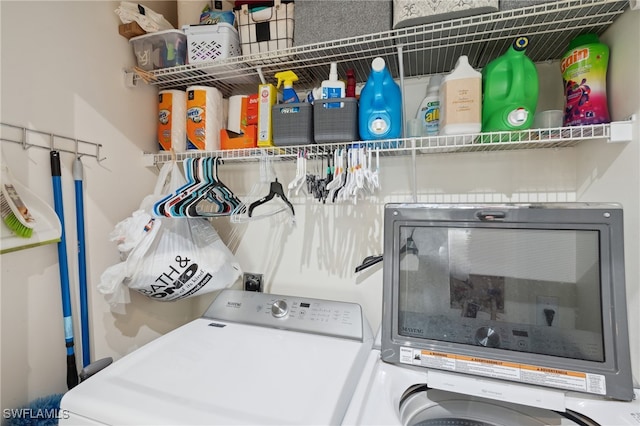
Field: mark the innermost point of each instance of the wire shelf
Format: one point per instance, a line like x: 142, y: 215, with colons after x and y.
x: 561, y: 137
x: 426, y: 49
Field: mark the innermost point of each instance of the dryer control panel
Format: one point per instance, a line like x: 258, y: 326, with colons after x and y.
x: 326, y: 317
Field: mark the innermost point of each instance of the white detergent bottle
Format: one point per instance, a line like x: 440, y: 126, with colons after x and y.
x: 429, y: 112
x: 461, y: 100
x: 333, y: 88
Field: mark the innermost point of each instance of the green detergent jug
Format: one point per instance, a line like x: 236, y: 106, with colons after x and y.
x: 510, y: 90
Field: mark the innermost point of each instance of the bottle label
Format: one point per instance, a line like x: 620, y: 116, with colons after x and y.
x: 584, y: 72
x: 196, y: 119
x: 331, y: 93
x: 431, y: 116
x: 165, y: 105
x: 462, y: 101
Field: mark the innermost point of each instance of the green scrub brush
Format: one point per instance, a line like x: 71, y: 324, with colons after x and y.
x: 15, y: 213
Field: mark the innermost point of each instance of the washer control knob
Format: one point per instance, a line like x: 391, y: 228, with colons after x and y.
x: 279, y: 308
x: 488, y: 337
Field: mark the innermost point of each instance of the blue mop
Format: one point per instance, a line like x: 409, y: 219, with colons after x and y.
x: 82, y: 262
x: 72, y: 372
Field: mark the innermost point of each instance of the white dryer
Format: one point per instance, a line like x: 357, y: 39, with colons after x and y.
x: 253, y: 358
x: 390, y: 394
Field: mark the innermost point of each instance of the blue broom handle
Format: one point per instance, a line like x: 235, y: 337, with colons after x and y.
x: 72, y: 375
x: 82, y: 263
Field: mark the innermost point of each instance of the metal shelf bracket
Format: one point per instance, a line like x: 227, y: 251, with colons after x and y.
x: 622, y: 131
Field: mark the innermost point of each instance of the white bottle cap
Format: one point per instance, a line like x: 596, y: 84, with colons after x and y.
x: 464, y: 59
x: 333, y: 73
x: 378, y: 64
x: 434, y: 82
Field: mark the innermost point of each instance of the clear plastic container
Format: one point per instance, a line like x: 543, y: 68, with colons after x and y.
x: 548, y: 119
x: 161, y: 49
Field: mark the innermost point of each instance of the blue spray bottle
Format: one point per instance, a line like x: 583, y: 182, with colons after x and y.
x: 289, y: 95
x: 380, y: 110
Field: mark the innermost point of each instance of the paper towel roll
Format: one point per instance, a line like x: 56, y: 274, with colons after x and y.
x: 205, y: 118
x: 235, y: 113
x: 172, y: 116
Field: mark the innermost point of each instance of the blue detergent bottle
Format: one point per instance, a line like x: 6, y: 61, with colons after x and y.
x: 380, y: 109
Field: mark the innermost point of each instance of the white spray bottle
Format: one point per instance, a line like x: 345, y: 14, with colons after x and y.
x: 333, y: 88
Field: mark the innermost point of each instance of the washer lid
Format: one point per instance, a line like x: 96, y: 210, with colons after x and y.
x: 215, y: 372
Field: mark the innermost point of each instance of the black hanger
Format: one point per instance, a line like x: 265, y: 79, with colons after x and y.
x: 369, y: 261
x: 410, y: 246
x: 274, y: 189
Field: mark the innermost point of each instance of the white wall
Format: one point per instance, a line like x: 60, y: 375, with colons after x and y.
x: 62, y: 72
x: 612, y: 172
x: 64, y: 75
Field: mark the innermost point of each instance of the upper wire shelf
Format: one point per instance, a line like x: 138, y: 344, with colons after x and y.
x: 561, y: 137
x: 426, y: 49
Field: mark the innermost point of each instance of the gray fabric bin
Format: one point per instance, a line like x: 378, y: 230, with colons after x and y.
x: 292, y: 124
x: 335, y: 124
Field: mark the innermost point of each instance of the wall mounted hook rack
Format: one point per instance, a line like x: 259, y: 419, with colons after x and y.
x: 30, y: 138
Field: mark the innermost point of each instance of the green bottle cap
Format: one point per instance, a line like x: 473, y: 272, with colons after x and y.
x: 583, y: 39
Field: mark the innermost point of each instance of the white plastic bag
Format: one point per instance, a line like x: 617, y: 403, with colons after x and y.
x: 148, y: 20
x: 167, y: 258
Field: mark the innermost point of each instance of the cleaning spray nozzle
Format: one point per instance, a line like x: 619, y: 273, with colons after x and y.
x: 288, y: 77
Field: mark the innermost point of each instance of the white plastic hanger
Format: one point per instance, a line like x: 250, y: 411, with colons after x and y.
x: 300, y: 179
x: 338, y: 174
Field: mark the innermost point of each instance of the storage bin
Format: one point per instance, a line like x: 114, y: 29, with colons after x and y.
x: 292, y: 124
x: 318, y: 20
x: 208, y: 43
x: 335, y: 124
x: 161, y: 49
x: 407, y: 13
x: 266, y: 30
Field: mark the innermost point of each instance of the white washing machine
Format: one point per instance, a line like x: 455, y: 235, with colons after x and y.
x: 253, y: 358
x: 389, y: 394
x: 501, y: 315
